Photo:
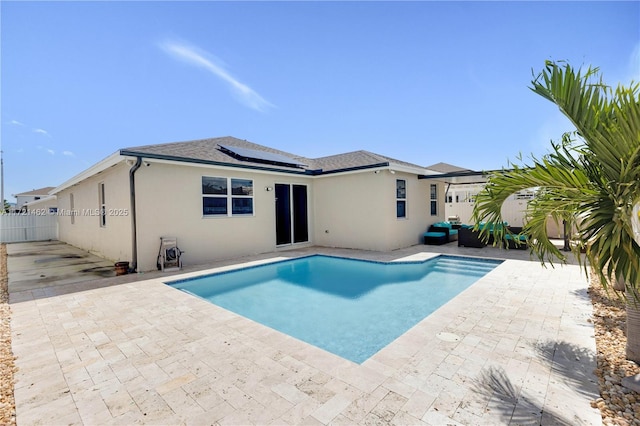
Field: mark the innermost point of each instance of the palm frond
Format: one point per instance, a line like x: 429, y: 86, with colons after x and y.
x: 590, y: 180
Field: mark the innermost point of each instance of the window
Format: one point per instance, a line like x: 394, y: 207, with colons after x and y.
x: 71, y: 209
x: 226, y: 196
x: 241, y: 196
x: 401, y: 198
x: 434, y: 199
x: 103, y: 207
x: 214, y: 196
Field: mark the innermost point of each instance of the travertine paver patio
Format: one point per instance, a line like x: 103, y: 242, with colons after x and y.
x: 517, y: 347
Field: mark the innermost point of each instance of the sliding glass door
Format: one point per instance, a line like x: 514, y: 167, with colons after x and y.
x: 292, y: 225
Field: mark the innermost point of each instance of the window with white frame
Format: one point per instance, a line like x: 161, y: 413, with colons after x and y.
x: 434, y: 199
x: 223, y: 196
x: 401, y: 198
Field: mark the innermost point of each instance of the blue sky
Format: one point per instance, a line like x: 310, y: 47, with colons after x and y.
x: 422, y: 82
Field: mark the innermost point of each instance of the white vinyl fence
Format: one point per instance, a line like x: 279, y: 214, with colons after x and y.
x: 461, y: 200
x: 21, y: 227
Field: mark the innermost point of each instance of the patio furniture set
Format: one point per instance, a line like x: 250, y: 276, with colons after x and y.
x: 466, y: 236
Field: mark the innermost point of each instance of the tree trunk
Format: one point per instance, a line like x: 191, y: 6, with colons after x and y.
x: 633, y: 325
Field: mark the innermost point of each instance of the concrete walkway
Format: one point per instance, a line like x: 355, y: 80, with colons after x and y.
x: 516, y: 347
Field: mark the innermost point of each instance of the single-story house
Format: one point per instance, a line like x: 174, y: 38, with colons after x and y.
x: 30, y: 196
x: 44, y: 205
x: 226, y: 197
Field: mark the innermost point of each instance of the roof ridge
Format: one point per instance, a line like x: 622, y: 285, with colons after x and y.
x: 359, y: 151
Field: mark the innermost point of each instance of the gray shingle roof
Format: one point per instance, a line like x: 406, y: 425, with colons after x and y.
x: 208, y: 150
x: 41, y: 191
x: 446, y: 168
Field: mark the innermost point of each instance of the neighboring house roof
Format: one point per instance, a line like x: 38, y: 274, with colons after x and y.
x: 456, y: 175
x: 447, y: 168
x: 358, y: 159
x: 36, y: 192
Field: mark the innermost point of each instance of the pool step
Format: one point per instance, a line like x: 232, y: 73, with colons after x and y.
x: 467, y: 263
x: 461, y: 266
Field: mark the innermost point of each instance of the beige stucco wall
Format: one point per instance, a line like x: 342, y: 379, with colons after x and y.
x: 169, y: 204
x: 358, y: 210
x: 351, y: 210
x: 112, y: 241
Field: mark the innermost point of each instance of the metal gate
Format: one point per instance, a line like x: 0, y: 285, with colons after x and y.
x: 21, y: 227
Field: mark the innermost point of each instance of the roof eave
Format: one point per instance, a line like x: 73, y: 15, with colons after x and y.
x: 465, y: 177
x: 353, y: 169
x: 408, y: 169
x: 101, y: 166
x: 125, y: 152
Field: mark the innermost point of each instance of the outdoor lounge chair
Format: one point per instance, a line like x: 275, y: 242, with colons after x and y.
x: 440, y: 233
x: 435, y: 238
x: 467, y: 237
x: 511, y: 240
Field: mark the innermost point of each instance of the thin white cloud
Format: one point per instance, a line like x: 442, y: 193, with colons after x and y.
x: 197, y: 57
x: 49, y: 150
x: 68, y: 153
x: 41, y: 131
x: 16, y: 123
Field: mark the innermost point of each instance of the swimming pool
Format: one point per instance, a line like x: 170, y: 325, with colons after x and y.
x: 352, y: 308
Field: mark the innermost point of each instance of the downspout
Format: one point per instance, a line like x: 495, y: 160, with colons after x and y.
x: 134, y: 229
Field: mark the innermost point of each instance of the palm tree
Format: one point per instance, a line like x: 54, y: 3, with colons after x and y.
x: 590, y: 180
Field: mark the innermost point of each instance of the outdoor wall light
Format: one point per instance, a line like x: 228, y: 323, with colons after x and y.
x: 393, y: 172
x: 268, y: 188
x: 377, y: 171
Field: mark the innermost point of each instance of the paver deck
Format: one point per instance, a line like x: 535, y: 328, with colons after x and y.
x: 516, y: 347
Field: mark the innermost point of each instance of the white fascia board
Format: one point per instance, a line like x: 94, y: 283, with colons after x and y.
x: 101, y: 166
x: 390, y: 168
x: 428, y: 172
x: 408, y: 169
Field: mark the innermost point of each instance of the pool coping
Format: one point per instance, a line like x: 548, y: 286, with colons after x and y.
x: 521, y: 326
x: 240, y: 267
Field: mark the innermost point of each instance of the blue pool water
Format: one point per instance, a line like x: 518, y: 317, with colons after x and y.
x: 352, y: 308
